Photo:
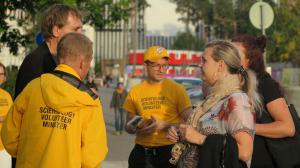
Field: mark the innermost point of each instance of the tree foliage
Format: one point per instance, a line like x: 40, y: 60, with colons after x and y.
x: 9, y: 84
x: 186, y: 41
x: 99, y: 13
x: 285, y: 34
x: 226, y: 18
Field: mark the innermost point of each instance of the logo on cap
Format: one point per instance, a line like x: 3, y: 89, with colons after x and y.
x: 159, y: 50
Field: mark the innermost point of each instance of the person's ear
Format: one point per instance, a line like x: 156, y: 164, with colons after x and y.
x: 56, y: 31
x: 247, y: 63
x: 221, y: 65
x: 145, y: 66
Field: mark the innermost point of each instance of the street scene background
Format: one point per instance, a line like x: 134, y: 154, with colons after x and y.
x: 127, y: 28
x: 119, y: 146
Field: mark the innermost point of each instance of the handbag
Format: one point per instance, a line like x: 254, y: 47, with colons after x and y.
x: 285, y: 152
x: 189, y: 157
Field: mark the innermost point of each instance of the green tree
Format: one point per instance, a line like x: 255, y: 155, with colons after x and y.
x: 190, y: 12
x: 217, y: 15
x: 98, y: 13
x: 186, y: 41
x: 224, y: 19
x: 9, y: 84
x: 284, y: 34
x: 242, y: 24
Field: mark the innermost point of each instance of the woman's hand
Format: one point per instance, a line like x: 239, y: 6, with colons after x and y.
x: 190, y: 134
x: 172, y: 134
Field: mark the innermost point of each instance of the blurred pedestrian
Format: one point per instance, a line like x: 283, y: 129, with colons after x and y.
x: 226, y: 109
x: 161, y: 103
x: 91, y: 83
x: 107, y: 80
x: 116, y: 105
x: 252, y: 49
x: 5, y: 104
x: 57, y: 121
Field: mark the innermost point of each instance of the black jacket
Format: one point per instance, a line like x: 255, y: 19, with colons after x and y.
x: 38, y: 62
x: 118, y: 100
x: 211, y: 152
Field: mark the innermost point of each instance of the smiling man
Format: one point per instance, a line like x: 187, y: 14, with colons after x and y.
x: 161, y: 100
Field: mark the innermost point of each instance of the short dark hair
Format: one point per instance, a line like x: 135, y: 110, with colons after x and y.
x: 56, y: 15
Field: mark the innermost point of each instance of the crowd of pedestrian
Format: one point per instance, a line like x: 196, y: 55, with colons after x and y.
x: 56, y: 119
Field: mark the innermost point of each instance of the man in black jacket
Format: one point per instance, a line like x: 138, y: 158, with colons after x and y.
x: 57, y: 21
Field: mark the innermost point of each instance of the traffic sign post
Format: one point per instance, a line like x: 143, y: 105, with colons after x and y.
x: 261, y: 16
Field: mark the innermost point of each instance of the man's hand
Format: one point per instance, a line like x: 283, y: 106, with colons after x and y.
x: 156, y: 125
x: 148, y: 129
x: 129, y: 128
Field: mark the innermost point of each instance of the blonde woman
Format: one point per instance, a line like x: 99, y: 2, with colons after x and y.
x: 227, y: 109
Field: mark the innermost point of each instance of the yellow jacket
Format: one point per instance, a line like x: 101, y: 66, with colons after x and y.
x: 53, y: 124
x: 5, y: 103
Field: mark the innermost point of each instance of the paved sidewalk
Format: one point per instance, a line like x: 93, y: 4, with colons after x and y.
x: 114, y: 164
x: 119, y: 146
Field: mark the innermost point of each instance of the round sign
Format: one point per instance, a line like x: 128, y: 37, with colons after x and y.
x: 261, y: 15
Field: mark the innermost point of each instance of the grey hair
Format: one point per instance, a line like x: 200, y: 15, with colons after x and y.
x: 226, y: 51
x: 74, y: 45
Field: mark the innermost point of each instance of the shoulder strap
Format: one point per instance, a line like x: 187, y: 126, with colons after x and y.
x: 295, y: 117
x: 74, y: 81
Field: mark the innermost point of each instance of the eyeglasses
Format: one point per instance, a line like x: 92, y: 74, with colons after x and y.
x: 157, y: 67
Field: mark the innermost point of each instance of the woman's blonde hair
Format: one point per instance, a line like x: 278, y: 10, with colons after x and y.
x: 226, y: 51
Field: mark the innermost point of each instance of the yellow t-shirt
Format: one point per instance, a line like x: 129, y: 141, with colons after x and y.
x: 5, y: 103
x: 164, y: 101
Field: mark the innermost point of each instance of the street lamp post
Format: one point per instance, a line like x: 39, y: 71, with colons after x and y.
x: 134, y: 32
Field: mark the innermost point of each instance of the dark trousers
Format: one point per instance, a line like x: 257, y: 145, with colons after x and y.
x: 119, y: 119
x: 155, y: 157
x: 13, y: 162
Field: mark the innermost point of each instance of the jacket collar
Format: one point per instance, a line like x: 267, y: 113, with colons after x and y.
x: 67, y: 69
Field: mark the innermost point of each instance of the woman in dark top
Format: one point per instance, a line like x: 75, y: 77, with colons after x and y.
x: 251, y: 50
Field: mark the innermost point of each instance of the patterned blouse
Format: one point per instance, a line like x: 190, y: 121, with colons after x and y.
x: 230, y: 115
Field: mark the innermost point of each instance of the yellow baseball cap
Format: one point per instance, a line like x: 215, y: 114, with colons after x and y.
x: 155, y: 53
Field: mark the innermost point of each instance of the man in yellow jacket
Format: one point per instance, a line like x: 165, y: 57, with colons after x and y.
x: 57, y: 121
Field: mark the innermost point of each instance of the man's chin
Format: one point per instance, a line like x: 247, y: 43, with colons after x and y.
x: 158, y: 79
